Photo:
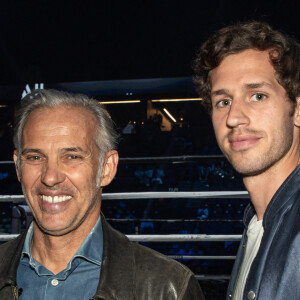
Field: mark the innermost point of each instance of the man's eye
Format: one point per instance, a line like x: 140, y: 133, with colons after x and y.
x: 72, y: 157
x: 223, y: 103
x: 33, y: 157
x: 258, y: 97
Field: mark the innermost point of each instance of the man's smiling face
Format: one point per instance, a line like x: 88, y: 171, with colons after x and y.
x: 252, y: 116
x: 58, y: 170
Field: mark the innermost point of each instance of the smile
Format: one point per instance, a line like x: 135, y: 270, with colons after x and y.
x: 55, y: 199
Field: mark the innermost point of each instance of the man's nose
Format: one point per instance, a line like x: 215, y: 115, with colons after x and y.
x: 237, y: 115
x: 52, y: 173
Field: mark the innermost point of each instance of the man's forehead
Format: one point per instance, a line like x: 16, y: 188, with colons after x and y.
x: 246, y: 56
x: 62, y: 114
x: 253, y: 65
x: 59, y: 123
x: 60, y: 110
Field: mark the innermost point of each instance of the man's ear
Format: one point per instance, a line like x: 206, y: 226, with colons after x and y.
x: 15, y: 156
x: 297, y: 112
x: 109, y: 167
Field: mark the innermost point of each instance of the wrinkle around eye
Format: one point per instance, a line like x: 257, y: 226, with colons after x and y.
x: 73, y: 159
x: 33, y: 159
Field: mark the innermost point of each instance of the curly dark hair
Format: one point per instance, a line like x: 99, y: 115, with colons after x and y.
x: 284, y: 55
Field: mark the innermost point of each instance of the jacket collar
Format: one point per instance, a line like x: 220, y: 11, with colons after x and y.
x: 248, y: 214
x: 281, y: 199
x: 117, y: 270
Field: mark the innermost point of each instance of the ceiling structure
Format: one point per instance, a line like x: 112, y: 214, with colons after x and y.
x: 75, y: 41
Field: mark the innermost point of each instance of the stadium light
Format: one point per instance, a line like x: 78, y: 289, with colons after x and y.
x: 119, y: 102
x: 172, y: 118
x: 177, y: 100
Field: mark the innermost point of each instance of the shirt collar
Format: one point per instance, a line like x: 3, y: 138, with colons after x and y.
x: 91, y: 249
x: 26, y: 248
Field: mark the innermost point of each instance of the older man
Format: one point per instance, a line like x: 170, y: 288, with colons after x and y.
x: 249, y: 77
x: 65, y: 154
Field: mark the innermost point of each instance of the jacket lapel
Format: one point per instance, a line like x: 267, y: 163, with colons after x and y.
x: 11, y: 253
x: 117, y: 269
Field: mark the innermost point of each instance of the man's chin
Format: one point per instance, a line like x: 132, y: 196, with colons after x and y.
x: 53, y: 229
x: 250, y: 169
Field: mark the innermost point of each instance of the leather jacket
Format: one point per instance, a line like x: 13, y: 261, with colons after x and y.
x: 275, y: 271
x: 128, y: 271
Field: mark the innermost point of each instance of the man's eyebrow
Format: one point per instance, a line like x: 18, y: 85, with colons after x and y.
x: 257, y: 85
x: 248, y: 86
x: 69, y: 149
x: 220, y: 92
x: 72, y: 149
x: 30, y: 150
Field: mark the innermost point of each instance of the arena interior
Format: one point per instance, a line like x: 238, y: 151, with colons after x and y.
x: 174, y: 191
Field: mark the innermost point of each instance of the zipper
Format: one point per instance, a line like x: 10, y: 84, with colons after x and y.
x: 15, y: 292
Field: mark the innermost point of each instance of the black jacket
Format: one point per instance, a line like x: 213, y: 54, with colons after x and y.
x: 275, y: 271
x: 128, y: 272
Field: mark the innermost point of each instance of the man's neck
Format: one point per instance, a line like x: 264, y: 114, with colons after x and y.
x: 263, y: 186
x: 55, y: 252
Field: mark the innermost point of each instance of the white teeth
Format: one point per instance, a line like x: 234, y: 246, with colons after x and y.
x: 55, y: 199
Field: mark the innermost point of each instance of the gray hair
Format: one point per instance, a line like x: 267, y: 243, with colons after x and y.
x: 105, y: 135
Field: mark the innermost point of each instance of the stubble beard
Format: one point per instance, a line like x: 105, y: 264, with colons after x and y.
x: 259, y: 163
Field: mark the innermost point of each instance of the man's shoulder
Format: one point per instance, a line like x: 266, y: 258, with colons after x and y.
x: 10, y: 253
x: 142, y: 271
x: 165, y: 274
x: 147, y: 260
x: 155, y: 261
x: 157, y: 267
x: 11, y: 247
